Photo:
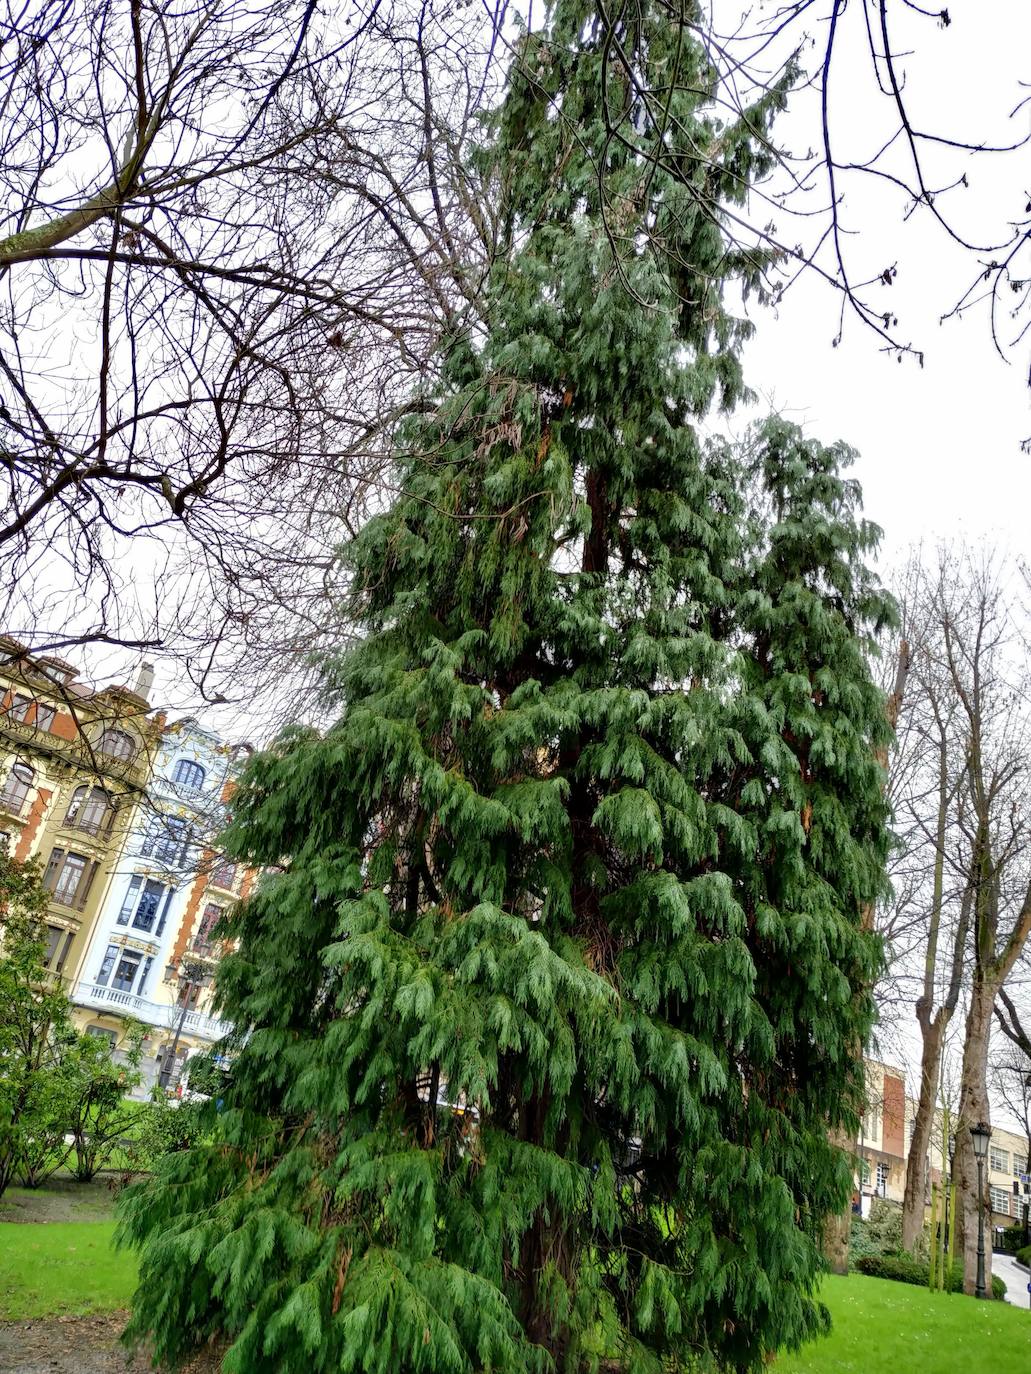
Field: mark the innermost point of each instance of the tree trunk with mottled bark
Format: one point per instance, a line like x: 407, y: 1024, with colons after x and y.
x: 920, y: 1144
x: 973, y: 1107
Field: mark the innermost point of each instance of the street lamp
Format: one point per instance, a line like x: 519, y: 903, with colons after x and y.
x: 190, y: 975
x: 979, y: 1138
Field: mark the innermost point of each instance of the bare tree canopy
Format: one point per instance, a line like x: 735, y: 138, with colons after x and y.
x: 876, y: 148
x: 232, y: 237
x: 236, y: 238
x: 961, y: 916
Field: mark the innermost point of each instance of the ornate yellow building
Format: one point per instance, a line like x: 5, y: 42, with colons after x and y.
x: 119, y: 807
x: 74, y: 767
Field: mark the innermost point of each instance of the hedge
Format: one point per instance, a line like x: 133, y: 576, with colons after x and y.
x: 905, y: 1269
x: 1011, y: 1241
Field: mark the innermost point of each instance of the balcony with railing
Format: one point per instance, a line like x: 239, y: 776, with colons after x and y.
x: 161, y: 1015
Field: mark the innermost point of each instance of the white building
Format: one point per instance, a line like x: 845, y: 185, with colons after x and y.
x: 151, y: 949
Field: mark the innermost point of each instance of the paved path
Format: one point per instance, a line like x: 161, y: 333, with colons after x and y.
x: 77, y: 1345
x: 1015, y: 1278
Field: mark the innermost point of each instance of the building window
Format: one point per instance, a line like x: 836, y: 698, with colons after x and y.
x: 116, y: 744
x: 188, y: 775
x: 126, y: 969
x: 17, y: 787
x: 224, y: 876
x: 140, y: 904
x: 69, y: 878
x: 872, y: 1121
x: 65, y: 951
x: 106, y: 965
x: 881, y: 1187
x: 202, y: 941
x: 90, y: 809
x: 147, y: 910
x: 168, y: 841
x: 130, y: 899
x: 1000, y: 1201
x: 44, y: 716
x: 54, y: 934
x: 20, y: 707
x: 999, y: 1160
x: 147, y: 966
x: 103, y: 1033
x: 189, y: 995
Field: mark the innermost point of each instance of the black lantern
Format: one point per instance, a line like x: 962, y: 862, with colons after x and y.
x: 979, y: 1137
x: 980, y: 1134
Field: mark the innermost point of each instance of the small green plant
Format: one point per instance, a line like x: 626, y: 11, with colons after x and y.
x: 160, y: 1128
x: 100, y: 1117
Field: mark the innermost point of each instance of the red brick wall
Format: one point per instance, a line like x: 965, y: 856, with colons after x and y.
x: 32, y: 824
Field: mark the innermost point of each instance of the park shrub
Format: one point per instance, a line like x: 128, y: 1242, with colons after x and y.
x: 1010, y: 1241
x: 1023, y: 1255
x: 881, y: 1233
x: 905, y: 1269
x: 160, y: 1128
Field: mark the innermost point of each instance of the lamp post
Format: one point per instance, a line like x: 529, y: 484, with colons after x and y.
x: 190, y: 975
x: 979, y: 1137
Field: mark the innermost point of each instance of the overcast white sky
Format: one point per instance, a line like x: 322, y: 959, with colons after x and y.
x: 940, y: 446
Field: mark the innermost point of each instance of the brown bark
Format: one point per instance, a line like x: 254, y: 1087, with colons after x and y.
x: 932, y: 1029
x: 973, y: 1107
x: 836, y: 1231
x: 596, y: 545
x: 920, y: 1145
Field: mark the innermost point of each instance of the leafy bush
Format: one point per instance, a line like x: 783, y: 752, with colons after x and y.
x: 34, y: 1031
x: 881, y: 1233
x: 101, y: 1115
x: 905, y: 1269
x: 901, y: 1268
x: 160, y: 1128
x: 1011, y: 1240
x: 860, y: 1241
x: 1024, y: 1255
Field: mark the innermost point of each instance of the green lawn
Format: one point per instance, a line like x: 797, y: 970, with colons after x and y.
x: 62, y: 1268
x: 58, y: 1268
x: 61, y: 1199
x: 882, y: 1327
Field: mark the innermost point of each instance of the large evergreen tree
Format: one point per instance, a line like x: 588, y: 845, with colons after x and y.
x: 551, y: 1000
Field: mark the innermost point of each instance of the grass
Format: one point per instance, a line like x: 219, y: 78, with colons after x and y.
x: 62, y: 1268
x: 62, y: 1198
x: 882, y: 1327
x: 57, y: 1260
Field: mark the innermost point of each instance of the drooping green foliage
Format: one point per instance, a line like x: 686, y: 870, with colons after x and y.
x: 550, y: 1001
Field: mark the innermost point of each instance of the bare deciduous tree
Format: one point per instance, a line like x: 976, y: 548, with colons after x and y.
x: 980, y: 656
x: 237, y: 238
x: 233, y: 238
